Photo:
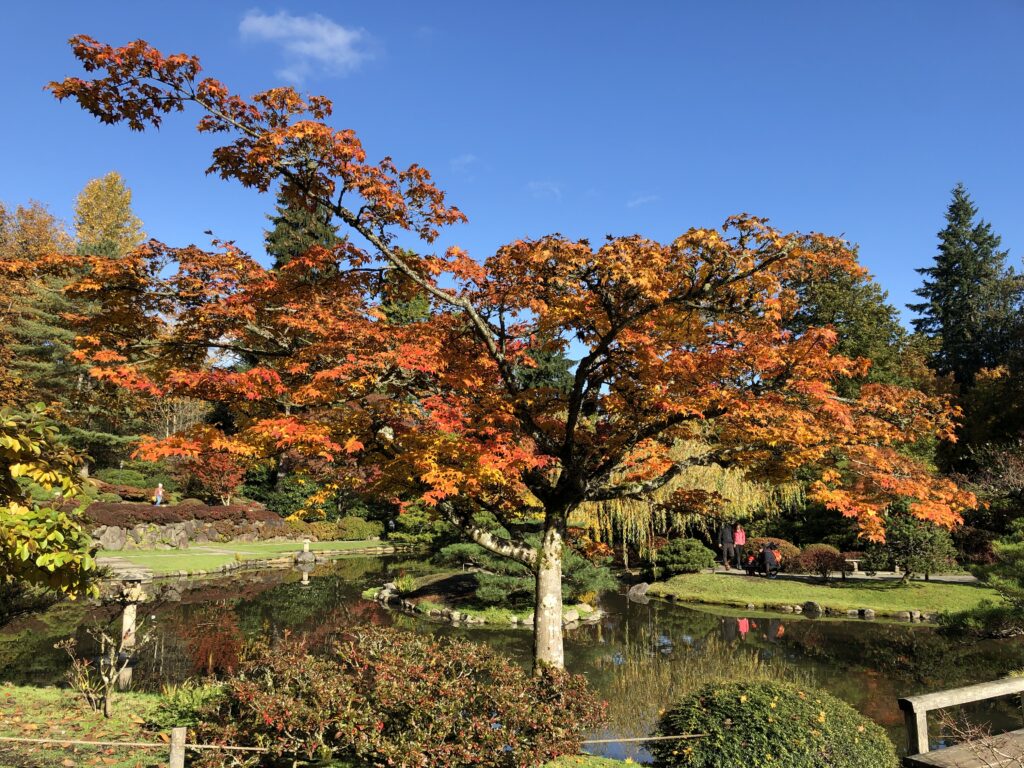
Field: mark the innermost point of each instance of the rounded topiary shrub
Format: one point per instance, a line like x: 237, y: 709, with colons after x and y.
x: 684, y: 556
x: 769, y: 725
x: 822, y: 559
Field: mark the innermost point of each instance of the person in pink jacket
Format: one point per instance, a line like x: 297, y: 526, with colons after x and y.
x: 739, y: 542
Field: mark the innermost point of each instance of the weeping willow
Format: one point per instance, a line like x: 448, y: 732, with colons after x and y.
x: 637, y: 521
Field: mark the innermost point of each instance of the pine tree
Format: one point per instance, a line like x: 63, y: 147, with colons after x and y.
x: 296, y: 228
x: 104, y: 221
x: 971, y: 300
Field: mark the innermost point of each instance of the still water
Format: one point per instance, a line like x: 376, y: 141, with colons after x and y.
x: 640, y: 657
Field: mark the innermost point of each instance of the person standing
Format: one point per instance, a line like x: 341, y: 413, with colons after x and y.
x: 158, y: 495
x: 725, y: 543
x: 739, y: 542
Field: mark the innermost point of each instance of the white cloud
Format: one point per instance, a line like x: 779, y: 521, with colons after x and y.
x: 463, y: 162
x: 642, y: 200
x: 310, y: 43
x: 545, y: 190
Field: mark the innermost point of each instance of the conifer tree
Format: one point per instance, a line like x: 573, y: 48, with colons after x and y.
x: 296, y: 228
x: 971, y: 299
x: 99, y: 420
x: 866, y: 324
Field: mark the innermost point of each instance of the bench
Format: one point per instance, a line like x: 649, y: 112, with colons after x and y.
x: 1004, y: 749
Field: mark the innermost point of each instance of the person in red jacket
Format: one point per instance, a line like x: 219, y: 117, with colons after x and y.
x: 739, y: 543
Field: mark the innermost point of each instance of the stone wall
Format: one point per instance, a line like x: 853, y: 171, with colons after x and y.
x: 179, y: 535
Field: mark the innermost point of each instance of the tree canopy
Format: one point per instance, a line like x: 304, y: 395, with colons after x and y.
x: 684, y: 340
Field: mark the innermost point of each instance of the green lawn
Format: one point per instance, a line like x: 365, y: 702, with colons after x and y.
x: 205, y: 557
x: 881, y: 596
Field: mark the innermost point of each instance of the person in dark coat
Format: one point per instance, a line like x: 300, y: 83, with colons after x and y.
x: 726, y: 544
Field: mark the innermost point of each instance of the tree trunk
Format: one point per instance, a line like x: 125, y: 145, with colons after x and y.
x: 548, y: 651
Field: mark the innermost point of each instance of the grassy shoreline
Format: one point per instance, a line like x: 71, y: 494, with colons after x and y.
x: 885, y: 598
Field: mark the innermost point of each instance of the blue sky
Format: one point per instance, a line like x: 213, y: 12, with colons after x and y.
x: 585, y: 118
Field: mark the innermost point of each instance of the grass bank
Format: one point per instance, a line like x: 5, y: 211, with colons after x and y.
x: 44, y: 713
x: 207, y: 557
x: 57, y: 713
x: 883, y: 597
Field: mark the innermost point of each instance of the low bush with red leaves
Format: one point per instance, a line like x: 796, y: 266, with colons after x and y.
x: 822, y: 559
x: 127, y: 515
x: 380, y: 696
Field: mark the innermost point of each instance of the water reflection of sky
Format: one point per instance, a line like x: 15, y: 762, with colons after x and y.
x: 638, y: 657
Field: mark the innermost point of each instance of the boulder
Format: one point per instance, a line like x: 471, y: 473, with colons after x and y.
x: 570, y: 616
x: 113, y: 538
x: 638, y: 591
x: 812, y: 608
x: 867, y: 613
x: 179, y: 538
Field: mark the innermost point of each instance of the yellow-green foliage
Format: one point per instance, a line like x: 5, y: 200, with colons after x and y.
x: 639, y: 520
x: 40, y: 543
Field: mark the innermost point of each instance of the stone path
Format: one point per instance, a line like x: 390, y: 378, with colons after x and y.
x: 122, y: 568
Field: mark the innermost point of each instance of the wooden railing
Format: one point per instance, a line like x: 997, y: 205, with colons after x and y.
x: 916, y: 708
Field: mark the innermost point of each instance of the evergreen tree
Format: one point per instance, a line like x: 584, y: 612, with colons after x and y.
x: 296, y: 228
x: 867, y: 325
x: 971, y: 300
x: 98, y: 420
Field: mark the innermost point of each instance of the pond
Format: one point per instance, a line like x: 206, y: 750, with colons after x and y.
x: 639, y: 658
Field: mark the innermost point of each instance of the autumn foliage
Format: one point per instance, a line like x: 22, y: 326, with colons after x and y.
x: 689, y: 339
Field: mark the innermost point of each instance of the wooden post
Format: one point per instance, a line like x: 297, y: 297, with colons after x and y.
x: 917, y: 732
x: 177, y: 748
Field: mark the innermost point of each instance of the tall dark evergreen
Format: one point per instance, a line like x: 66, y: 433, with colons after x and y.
x: 296, y: 228
x: 971, y: 300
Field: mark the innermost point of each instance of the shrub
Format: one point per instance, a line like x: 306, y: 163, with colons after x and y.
x: 123, y: 477
x: 684, y: 556
x: 380, y: 696
x: 822, y: 559
x: 510, y: 584
x: 181, y: 704
x: 128, y: 515
x: 106, y: 496
x: 769, y: 724
x: 916, y: 546
x: 789, y: 552
x: 356, y: 529
x: 345, y: 529
x: 405, y: 584
x: 126, y: 492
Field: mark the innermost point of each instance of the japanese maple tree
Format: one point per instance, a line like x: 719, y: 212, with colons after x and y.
x: 689, y: 339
